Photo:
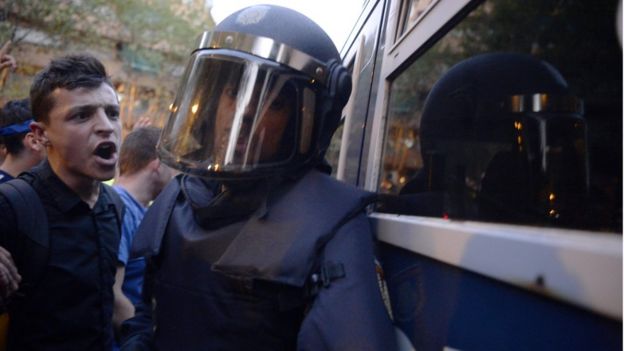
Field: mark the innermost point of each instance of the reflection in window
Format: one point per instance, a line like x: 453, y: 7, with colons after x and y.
x: 529, y: 133
x: 402, y: 158
x: 333, y: 150
x: 411, y: 12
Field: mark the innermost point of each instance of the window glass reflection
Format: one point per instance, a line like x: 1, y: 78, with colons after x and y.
x: 412, y: 11
x: 523, y: 124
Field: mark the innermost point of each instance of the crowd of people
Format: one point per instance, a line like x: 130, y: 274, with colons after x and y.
x: 223, y: 230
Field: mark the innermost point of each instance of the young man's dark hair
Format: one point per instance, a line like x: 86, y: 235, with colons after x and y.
x: 15, y: 119
x: 70, y: 72
x: 69, y: 306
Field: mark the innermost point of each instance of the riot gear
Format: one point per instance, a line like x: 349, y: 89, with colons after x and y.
x: 261, y: 96
x: 504, y: 140
x: 255, y: 101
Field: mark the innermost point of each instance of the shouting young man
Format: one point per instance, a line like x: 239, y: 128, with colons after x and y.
x: 69, y: 305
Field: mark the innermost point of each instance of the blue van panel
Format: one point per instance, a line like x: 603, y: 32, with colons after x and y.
x: 439, y: 305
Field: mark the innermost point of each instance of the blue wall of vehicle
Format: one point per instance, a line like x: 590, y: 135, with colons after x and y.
x: 439, y: 305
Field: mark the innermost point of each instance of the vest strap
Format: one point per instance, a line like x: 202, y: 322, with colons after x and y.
x: 327, y: 273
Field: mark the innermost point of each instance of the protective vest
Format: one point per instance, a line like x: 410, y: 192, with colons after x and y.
x: 251, y: 294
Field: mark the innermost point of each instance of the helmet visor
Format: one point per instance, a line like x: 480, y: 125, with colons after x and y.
x: 237, y: 113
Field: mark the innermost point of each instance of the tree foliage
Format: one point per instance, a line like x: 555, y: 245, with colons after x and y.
x: 155, y: 31
x: 151, y: 38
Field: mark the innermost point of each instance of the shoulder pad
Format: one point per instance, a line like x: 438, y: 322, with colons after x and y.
x: 152, y: 228
x: 283, y: 244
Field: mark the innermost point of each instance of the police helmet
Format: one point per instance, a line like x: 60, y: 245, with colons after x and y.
x: 262, y: 94
x: 504, y: 140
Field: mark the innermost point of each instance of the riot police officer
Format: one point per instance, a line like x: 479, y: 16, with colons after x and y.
x: 254, y: 247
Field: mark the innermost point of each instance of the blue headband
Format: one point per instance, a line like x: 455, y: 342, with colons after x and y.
x: 13, y: 129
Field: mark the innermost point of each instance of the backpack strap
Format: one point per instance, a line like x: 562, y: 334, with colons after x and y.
x: 30, y: 215
x: 120, y: 208
x: 32, y: 239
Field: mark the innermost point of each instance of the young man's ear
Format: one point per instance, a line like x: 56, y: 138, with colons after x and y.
x: 154, y: 165
x: 39, y: 131
x: 33, y: 142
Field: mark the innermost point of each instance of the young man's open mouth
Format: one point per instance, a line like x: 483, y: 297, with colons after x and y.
x: 106, y: 153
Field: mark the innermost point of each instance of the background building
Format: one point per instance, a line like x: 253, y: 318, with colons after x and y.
x: 144, y: 45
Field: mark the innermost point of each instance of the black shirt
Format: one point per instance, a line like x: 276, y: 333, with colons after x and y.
x: 71, y: 306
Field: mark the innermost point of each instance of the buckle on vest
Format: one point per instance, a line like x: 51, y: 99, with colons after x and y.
x: 328, y: 272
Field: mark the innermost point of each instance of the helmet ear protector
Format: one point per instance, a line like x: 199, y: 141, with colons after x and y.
x: 339, y: 82
x: 332, y: 101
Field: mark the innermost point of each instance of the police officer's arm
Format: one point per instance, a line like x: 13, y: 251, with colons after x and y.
x: 122, y: 309
x: 349, y: 314
x: 137, y: 332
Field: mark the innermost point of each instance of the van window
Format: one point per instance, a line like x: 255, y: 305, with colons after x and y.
x: 411, y: 12
x: 524, y: 123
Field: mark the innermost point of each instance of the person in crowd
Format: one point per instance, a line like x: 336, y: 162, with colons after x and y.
x: 256, y: 247
x: 23, y: 149
x: 141, y: 178
x: 7, y: 61
x: 69, y: 305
